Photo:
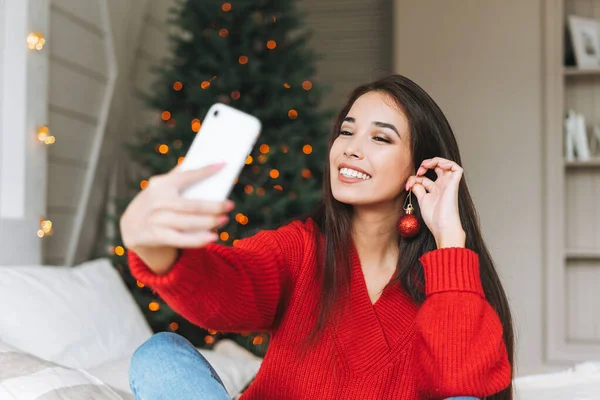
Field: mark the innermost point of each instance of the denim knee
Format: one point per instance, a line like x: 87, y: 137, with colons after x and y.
x: 152, y: 353
x: 158, y: 345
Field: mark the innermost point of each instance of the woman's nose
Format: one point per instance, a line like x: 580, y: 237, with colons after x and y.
x: 353, y: 149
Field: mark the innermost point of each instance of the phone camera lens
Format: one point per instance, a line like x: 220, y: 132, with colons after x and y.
x: 216, y: 113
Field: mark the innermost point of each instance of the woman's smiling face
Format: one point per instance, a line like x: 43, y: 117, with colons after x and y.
x: 371, y: 158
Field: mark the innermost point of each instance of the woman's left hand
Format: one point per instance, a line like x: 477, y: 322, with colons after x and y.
x: 438, y: 200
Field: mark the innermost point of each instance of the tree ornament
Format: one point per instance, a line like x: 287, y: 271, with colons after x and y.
x: 408, y: 225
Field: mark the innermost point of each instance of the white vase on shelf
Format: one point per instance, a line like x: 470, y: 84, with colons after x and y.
x: 570, y: 136
x: 582, y: 150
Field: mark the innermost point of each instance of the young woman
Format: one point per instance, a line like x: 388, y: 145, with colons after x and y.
x: 355, y: 310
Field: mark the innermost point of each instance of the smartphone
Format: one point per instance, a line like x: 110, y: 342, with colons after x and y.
x: 227, y: 135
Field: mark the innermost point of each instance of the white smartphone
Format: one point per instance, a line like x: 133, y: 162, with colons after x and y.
x: 227, y: 135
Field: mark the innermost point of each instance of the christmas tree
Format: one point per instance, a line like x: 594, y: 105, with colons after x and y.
x: 252, y: 55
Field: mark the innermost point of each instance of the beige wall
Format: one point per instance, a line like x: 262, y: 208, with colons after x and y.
x: 482, y: 62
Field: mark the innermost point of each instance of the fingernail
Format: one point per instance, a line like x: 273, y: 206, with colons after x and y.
x: 222, y: 219
x: 218, y: 165
x: 213, y: 237
x: 229, y: 205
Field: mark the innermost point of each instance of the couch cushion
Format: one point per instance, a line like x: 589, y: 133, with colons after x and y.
x: 26, y: 377
x: 79, y: 317
x: 580, y: 382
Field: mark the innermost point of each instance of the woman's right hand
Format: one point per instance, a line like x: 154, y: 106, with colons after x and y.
x: 158, y: 221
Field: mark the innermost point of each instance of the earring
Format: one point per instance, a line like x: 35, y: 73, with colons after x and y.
x: 408, y: 225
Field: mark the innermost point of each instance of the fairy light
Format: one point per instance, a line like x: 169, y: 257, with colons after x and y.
x: 306, y: 173
x: 154, y: 306
x: 166, y: 115
x: 258, y: 340
x: 43, y: 135
x: 235, y: 95
x: 241, y: 218
x: 36, y: 40
x: 224, y: 236
x: 307, y: 85
x: 307, y: 149
x: 271, y: 44
x: 249, y: 160
x: 163, y: 149
x: 144, y: 184
x: 139, y: 284
x: 293, y: 114
x: 262, y: 159
x: 286, y: 85
x: 196, y: 124
x: 274, y: 174
x: 264, y: 148
x: 177, y: 86
x: 260, y: 191
x: 226, y: 7
x: 209, y: 339
x: 119, y: 250
x: 243, y: 60
x: 284, y: 148
x: 205, y: 85
x: 248, y: 189
x: 45, y: 228
x: 223, y: 32
x: 235, y: 242
x: 173, y: 326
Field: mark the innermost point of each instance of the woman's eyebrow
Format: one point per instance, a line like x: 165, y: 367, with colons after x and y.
x: 376, y: 123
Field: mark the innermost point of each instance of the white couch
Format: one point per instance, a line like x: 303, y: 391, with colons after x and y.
x: 82, y: 326
x: 85, y: 322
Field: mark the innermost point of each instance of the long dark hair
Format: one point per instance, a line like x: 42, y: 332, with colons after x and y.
x: 431, y: 136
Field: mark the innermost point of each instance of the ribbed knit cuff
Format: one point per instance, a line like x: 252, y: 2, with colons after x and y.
x: 145, y: 275
x: 451, y: 269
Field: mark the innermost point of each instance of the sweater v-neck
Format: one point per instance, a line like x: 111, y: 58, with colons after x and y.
x: 373, y: 334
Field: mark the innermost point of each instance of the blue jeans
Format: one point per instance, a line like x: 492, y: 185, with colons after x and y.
x: 168, y: 367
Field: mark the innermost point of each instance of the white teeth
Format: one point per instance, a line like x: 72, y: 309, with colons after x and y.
x: 350, y: 173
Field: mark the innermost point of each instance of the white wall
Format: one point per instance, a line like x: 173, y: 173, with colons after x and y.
x: 24, y: 108
x: 481, y: 61
x: 79, y: 74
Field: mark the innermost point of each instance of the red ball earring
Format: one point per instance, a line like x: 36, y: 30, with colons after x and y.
x: 408, y: 225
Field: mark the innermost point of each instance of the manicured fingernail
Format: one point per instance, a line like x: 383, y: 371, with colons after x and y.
x: 222, y: 219
x: 217, y: 166
x: 229, y: 205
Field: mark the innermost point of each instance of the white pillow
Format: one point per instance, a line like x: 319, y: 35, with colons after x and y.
x: 26, y: 377
x: 79, y: 317
x: 235, y: 372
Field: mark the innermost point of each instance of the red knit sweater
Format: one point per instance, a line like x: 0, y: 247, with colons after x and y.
x: 449, y: 346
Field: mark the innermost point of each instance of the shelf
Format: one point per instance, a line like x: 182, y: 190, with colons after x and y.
x: 574, y: 71
x: 582, y: 254
x: 593, y: 163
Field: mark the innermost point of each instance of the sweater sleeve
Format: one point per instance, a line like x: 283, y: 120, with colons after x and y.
x: 459, y: 345
x: 229, y: 289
